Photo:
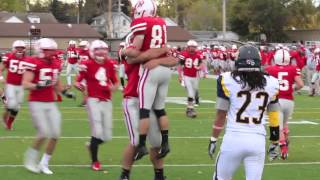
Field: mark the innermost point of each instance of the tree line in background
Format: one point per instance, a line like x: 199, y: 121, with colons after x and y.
x: 248, y: 18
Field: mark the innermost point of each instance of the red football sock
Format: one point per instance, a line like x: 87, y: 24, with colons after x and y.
x: 10, y: 120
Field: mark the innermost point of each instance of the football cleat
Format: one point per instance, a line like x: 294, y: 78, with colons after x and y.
x: 32, y: 168
x: 191, y: 113
x: 124, y: 178
x: 164, y: 150
x: 30, y: 161
x: 96, y: 166
x: 45, y: 169
x: 273, y: 151
x: 160, y: 178
x: 140, y: 152
x: 284, y: 151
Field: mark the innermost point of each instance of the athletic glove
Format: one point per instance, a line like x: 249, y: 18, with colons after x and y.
x: 273, y: 151
x: 42, y: 84
x: 212, y: 146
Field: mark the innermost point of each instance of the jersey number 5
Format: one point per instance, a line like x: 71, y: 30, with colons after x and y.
x: 157, y: 39
x: 247, y: 95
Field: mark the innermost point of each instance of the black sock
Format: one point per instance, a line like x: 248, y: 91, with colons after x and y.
x: 158, y: 173
x: 122, y: 82
x: 125, y: 173
x: 94, y: 143
x: 164, y: 134
x: 142, y: 139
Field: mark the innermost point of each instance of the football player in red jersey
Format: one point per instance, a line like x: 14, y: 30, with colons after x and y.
x: 83, y: 51
x: 83, y: 55
x: 101, y: 79
x: 289, y: 80
x: 149, y: 32
x: 14, y: 63
x: 316, y: 74
x: 232, y: 55
x: 121, y: 65
x: 72, y: 61
x: 191, y: 62
x: 42, y: 80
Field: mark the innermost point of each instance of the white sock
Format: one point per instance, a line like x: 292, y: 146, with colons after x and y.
x: 45, y: 159
x: 31, y: 155
x: 69, y: 80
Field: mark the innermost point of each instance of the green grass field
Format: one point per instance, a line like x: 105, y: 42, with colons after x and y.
x: 189, y: 139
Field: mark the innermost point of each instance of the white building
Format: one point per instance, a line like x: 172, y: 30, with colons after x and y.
x: 120, y: 22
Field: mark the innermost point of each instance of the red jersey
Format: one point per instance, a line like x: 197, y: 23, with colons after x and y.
x: 215, y: 53
x: 15, y: 67
x: 98, y: 78
x: 316, y: 58
x: 154, y: 30
x: 190, y: 62
x: 285, y: 75
x: 232, y: 54
x: 132, y: 72
x: 83, y: 54
x: 44, y: 71
x: 72, y: 56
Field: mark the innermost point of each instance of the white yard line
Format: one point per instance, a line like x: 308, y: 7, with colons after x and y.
x: 126, y: 137
x: 166, y: 165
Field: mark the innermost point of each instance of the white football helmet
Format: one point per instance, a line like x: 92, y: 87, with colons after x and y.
x: 19, y: 48
x: 316, y: 50
x: 84, y: 44
x: 144, y: 8
x: 282, y: 57
x: 192, y: 43
x: 234, y: 47
x: 72, y: 43
x: 122, y: 44
x: 44, y: 44
x: 18, y: 43
x: 99, y: 50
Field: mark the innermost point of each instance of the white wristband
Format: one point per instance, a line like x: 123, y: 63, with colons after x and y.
x: 1, y: 78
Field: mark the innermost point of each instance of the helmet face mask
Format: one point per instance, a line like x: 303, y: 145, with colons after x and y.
x: 248, y: 59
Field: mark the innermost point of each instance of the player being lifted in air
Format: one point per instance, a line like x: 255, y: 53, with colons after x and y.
x: 149, y: 32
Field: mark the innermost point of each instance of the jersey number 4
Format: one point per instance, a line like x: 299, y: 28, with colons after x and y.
x: 262, y: 108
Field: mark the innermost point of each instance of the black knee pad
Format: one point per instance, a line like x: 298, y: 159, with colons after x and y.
x: 190, y: 99
x: 144, y: 113
x: 159, y: 113
x: 12, y: 112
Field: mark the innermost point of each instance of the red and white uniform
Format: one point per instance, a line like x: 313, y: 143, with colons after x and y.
x: 72, y: 58
x: 15, y: 68
x: 13, y: 90
x: 72, y: 55
x: 99, y: 106
x: 83, y: 55
x: 286, y: 76
x: 45, y: 114
x: 153, y: 86
x: 98, y: 77
x: 43, y: 71
x: 130, y: 105
x: 191, y: 64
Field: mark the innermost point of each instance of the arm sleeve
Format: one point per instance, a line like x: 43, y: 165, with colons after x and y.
x: 222, y: 90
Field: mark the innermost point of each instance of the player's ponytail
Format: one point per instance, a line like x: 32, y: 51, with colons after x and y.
x: 251, y: 80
